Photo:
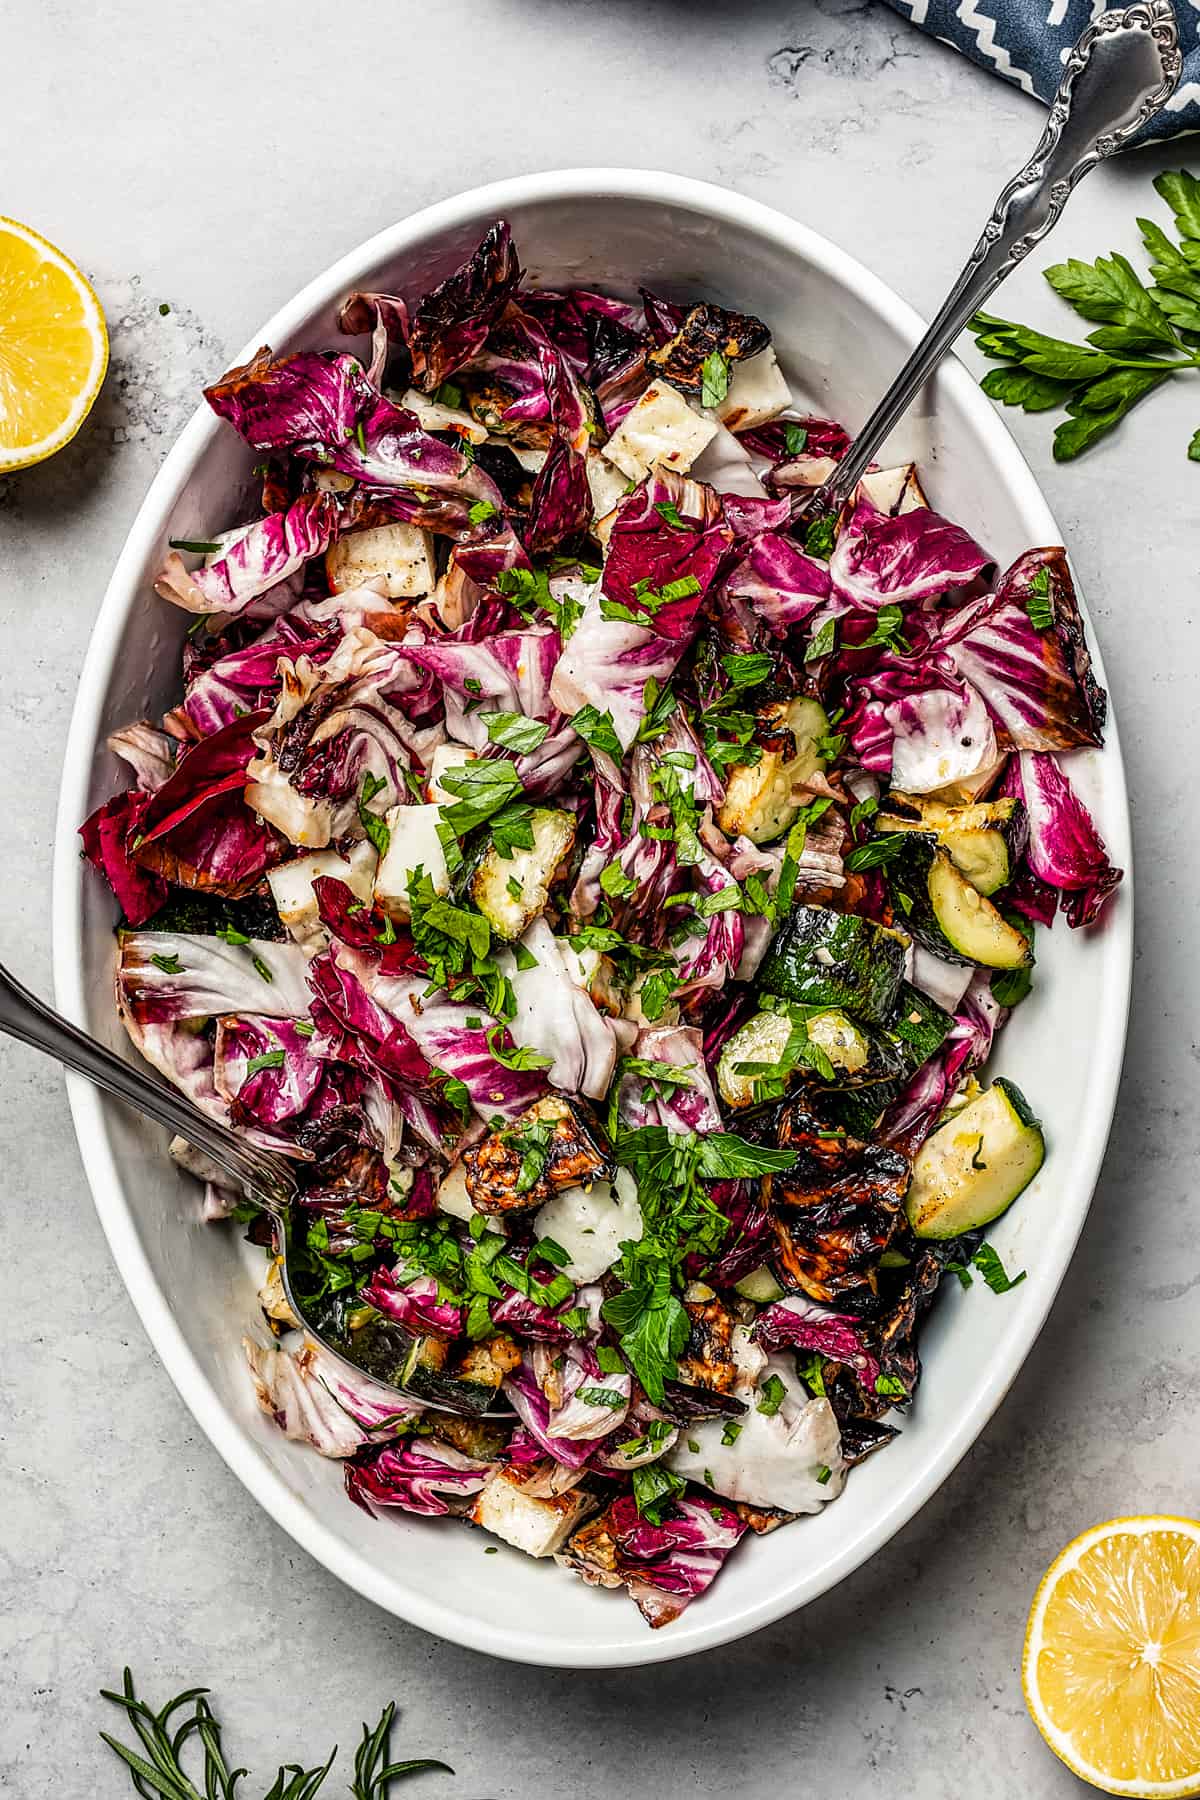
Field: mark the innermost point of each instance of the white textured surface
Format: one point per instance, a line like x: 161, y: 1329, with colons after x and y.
x: 215, y: 166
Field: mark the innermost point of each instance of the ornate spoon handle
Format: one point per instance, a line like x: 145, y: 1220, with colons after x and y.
x: 1119, y: 74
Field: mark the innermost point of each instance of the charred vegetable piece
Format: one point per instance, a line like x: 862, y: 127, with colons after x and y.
x: 707, y: 331
x: 510, y: 891
x: 707, y: 1360
x: 490, y: 1361
x: 825, y: 958
x: 916, y: 1034
x: 763, y: 799
x: 758, y: 1060
x: 942, y: 910
x: 983, y: 841
x: 556, y: 1144
x: 833, y: 1247
x: 837, y: 1209
x: 974, y: 1166
x: 416, y: 1365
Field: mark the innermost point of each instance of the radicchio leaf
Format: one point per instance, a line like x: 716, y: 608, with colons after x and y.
x: 1022, y: 648
x: 256, y: 560
x: 918, y: 555
x: 1065, y: 849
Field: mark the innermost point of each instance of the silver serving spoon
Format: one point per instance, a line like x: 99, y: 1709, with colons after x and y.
x: 269, y: 1179
x: 1122, y: 70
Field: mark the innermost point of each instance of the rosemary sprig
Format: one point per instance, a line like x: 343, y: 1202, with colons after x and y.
x: 157, y: 1772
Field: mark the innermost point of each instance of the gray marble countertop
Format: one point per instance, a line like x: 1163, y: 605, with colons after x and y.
x: 214, y: 160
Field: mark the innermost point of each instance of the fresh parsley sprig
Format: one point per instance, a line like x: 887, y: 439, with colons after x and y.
x: 1144, y: 334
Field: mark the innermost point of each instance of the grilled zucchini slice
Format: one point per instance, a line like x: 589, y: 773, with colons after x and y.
x: 763, y: 799
x: 858, y: 1055
x: 825, y: 958
x: 983, y: 840
x: 942, y: 910
x: 510, y: 891
x: 974, y: 1166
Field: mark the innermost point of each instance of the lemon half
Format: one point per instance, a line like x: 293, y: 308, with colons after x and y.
x: 1112, y: 1657
x: 53, y: 347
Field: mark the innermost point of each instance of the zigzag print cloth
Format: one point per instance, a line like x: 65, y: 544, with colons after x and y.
x: 1026, y: 42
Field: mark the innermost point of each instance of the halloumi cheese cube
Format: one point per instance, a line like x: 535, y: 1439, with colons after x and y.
x: 291, y: 884
x: 893, y: 491
x: 757, y: 393
x: 662, y: 428
x: 401, y: 556
x: 433, y: 416
x: 538, y: 1527
x: 413, y: 843
x: 607, y: 484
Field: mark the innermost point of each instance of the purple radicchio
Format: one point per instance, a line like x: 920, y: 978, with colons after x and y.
x: 254, y: 560
x: 556, y: 1016
x: 560, y: 1406
x: 1065, y: 849
x: 666, y: 1566
x: 169, y: 975
x: 798, y: 1323
x: 1022, y: 648
x: 425, y: 1476
x: 450, y: 324
x: 265, y: 1067
x: 414, y: 1303
x: 321, y: 406
x: 456, y: 1038
x: 311, y: 1399
x: 880, y: 561
x: 779, y: 582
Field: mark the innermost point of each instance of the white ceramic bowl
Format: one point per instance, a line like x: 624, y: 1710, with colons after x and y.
x: 841, y: 334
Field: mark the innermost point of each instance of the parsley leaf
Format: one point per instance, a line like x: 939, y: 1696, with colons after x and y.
x: 483, y: 786
x: 771, y: 1396
x: 822, y: 642
x: 987, y: 1261
x: 270, y: 1059
x: 514, y: 731
x: 795, y: 438
x: 820, y: 535
x: 373, y: 826
x: 714, y: 379
x: 597, y: 729
x: 876, y: 851
x: 655, y: 1489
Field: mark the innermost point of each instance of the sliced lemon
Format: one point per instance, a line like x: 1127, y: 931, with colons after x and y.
x: 1112, y: 1657
x: 53, y: 347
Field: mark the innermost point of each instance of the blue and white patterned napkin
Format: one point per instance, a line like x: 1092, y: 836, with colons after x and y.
x: 1027, y: 41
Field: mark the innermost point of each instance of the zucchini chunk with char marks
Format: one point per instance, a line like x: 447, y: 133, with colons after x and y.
x: 942, y: 910
x: 984, y: 841
x: 756, y: 1063
x: 554, y: 1144
x: 417, y: 1364
x: 972, y: 1168
x: 763, y: 799
x: 511, y: 891
x: 825, y: 958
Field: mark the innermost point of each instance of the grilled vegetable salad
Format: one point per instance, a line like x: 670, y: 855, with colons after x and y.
x: 605, y: 879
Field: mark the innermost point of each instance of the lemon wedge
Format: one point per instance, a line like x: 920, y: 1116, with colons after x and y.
x: 1112, y: 1657
x: 53, y: 347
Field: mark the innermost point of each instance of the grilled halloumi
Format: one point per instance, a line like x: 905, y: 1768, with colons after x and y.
x: 537, y: 1526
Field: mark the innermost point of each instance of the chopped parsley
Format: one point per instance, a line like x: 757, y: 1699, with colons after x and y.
x: 714, y: 378
x: 771, y: 1396
x: 514, y: 731
x: 373, y: 826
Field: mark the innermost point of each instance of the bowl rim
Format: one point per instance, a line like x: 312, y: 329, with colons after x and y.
x: 519, y: 1642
